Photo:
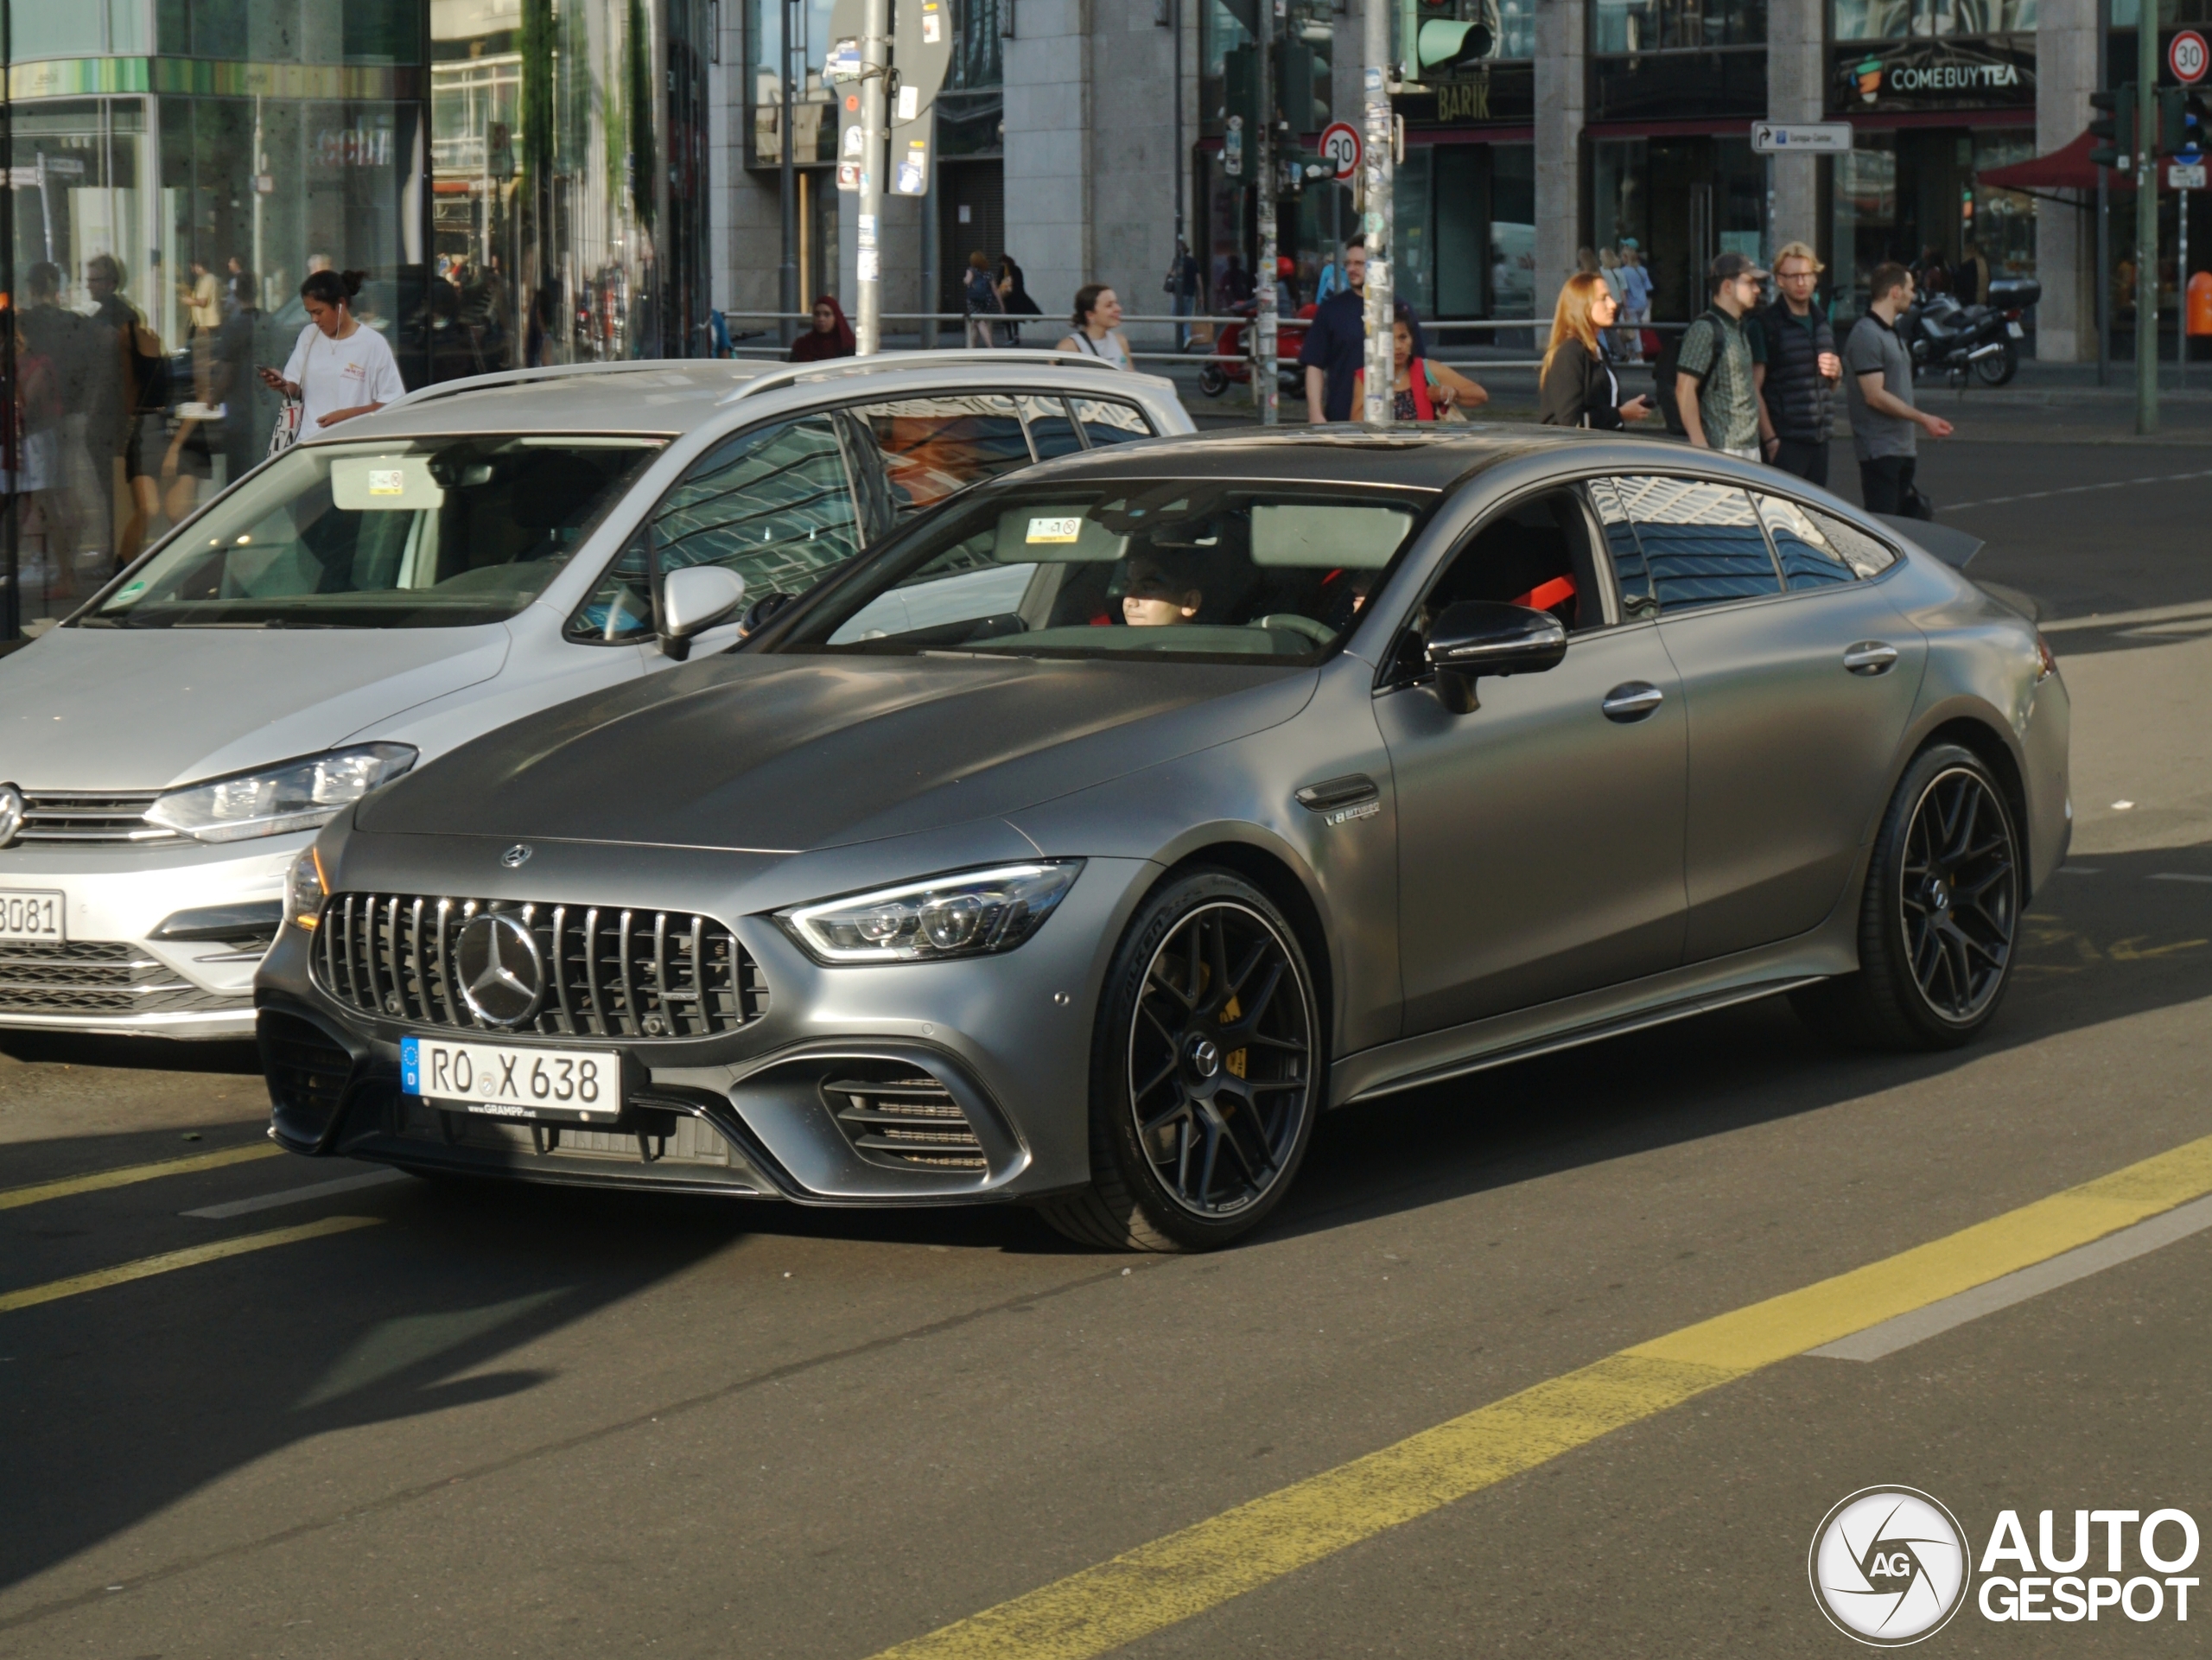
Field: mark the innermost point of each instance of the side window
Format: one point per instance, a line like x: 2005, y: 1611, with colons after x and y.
x: 1632, y: 577
x: 1808, y: 557
x: 1534, y: 552
x: 1702, y: 544
x: 1108, y: 421
x: 774, y: 505
x: 931, y: 446
x: 1051, y: 429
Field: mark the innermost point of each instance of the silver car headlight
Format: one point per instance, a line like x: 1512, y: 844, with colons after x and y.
x: 967, y: 913
x: 299, y: 795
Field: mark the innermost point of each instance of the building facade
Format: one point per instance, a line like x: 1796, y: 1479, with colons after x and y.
x: 515, y: 181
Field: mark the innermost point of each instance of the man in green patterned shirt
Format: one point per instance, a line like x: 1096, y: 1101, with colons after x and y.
x: 1714, y: 386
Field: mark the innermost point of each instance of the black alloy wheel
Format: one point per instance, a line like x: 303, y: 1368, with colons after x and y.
x: 1958, y: 894
x: 1207, y: 1073
x: 1940, y: 916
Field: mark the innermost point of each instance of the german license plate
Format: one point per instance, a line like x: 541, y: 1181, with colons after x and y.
x: 507, y: 1081
x: 32, y: 916
x: 2016, y: 331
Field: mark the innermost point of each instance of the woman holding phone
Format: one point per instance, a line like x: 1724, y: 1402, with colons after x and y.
x: 1577, y: 387
x: 338, y: 369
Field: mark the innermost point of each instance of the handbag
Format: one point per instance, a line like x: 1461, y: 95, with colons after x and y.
x: 286, y: 432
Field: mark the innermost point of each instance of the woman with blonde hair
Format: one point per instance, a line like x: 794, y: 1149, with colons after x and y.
x: 1577, y: 387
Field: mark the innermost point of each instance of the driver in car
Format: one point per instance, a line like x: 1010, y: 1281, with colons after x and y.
x: 1161, y: 591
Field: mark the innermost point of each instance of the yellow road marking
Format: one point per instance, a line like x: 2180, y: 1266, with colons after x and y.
x: 147, y: 1267
x: 124, y: 1175
x: 1172, y: 1579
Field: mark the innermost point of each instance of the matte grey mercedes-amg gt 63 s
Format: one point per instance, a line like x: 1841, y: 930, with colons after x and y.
x: 1108, y: 824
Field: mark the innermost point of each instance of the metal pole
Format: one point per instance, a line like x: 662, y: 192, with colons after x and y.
x: 1267, y: 394
x: 1182, y: 160
x: 787, y: 273
x: 1377, y: 220
x: 2104, y: 212
x: 930, y: 295
x: 875, y: 68
x: 2147, y: 219
x: 2181, y: 321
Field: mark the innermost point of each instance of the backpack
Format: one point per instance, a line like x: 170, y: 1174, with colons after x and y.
x: 1667, y: 367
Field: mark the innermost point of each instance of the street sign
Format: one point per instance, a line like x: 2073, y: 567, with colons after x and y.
x: 2188, y: 57
x: 2186, y: 175
x: 1816, y: 138
x: 1340, y: 148
x: 921, y: 53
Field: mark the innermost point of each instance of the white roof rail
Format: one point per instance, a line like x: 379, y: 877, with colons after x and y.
x: 554, y: 371
x: 790, y: 373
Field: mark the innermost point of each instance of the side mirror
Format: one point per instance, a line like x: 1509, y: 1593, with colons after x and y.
x: 1479, y: 637
x: 758, y: 614
x: 693, y: 598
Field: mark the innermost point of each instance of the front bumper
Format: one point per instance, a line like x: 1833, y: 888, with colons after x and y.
x: 113, y: 974
x: 827, y: 1098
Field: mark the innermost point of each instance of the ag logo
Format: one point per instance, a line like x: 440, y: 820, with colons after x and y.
x: 1889, y: 1565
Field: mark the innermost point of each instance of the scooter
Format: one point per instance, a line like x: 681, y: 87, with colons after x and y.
x: 1982, y: 340
x: 1215, y: 376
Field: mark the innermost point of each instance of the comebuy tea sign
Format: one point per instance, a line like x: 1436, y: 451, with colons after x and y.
x: 1991, y: 71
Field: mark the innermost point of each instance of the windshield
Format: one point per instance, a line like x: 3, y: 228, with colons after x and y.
x: 1183, y: 568
x: 408, y: 533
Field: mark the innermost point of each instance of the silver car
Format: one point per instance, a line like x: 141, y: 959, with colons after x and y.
x: 405, y: 582
x: 1087, y: 841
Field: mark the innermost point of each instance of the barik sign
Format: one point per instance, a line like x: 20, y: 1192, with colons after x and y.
x: 1812, y: 138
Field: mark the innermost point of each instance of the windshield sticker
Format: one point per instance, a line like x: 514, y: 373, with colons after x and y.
x: 1055, y: 530
x: 388, y: 482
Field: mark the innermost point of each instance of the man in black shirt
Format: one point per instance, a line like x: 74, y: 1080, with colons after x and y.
x: 1336, y: 342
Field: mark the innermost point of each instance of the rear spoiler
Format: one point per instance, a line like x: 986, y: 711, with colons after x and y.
x: 1953, y: 547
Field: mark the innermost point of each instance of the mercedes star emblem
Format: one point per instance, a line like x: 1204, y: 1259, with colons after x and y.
x: 502, y: 976
x: 11, y: 812
x: 516, y: 856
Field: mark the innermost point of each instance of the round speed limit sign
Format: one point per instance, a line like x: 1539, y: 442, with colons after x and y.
x: 2188, y: 57
x: 1340, y: 148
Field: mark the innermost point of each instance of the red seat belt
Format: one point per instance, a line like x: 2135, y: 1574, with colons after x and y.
x: 1545, y: 595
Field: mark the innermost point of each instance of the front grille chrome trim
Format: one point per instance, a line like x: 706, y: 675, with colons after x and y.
x: 658, y: 975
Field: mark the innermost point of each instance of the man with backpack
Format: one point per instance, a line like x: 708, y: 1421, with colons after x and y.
x: 1798, y: 382
x: 1716, y: 388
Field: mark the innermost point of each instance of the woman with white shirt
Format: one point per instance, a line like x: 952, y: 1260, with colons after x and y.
x: 1097, y: 311
x: 338, y: 369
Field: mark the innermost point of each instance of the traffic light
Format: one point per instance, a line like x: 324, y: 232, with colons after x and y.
x: 2116, y: 125
x: 2173, y: 120
x: 1240, y: 84
x: 1444, y: 39
x: 1296, y: 77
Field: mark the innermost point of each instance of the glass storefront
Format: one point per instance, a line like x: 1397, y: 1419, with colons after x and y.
x: 517, y: 182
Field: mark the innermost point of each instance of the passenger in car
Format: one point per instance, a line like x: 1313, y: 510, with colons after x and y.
x: 1161, y: 590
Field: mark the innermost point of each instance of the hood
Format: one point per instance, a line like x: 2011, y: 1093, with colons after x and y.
x: 101, y: 708
x: 789, y: 754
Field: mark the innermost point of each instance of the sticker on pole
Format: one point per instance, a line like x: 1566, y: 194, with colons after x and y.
x: 2186, y: 175
x: 843, y: 63
x: 2188, y: 57
x: 1340, y: 148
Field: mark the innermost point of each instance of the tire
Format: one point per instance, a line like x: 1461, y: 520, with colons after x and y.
x: 1998, y: 368
x: 1939, y: 920
x: 1213, y: 380
x: 1192, y: 1142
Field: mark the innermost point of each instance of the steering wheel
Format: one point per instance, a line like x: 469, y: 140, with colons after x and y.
x: 1290, y: 622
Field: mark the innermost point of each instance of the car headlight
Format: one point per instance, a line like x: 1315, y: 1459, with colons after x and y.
x: 968, y: 913
x: 300, y: 795
x: 304, y: 891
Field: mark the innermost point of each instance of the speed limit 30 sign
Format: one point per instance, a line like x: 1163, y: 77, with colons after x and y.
x: 1340, y: 148
x: 2188, y: 57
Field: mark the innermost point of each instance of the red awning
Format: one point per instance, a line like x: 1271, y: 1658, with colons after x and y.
x: 2063, y: 169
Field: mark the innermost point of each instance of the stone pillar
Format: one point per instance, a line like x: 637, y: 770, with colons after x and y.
x: 1132, y: 160
x: 2065, y: 237
x: 1562, y: 84
x: 1796, y: 36
x: 1049, y: 149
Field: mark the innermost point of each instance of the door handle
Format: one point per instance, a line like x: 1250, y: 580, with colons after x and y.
x: 1631, y: 701
x: 1870, y: 656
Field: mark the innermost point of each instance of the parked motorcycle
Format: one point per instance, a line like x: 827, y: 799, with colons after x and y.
x: 1981, y: 340
x: 1230, y: 341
